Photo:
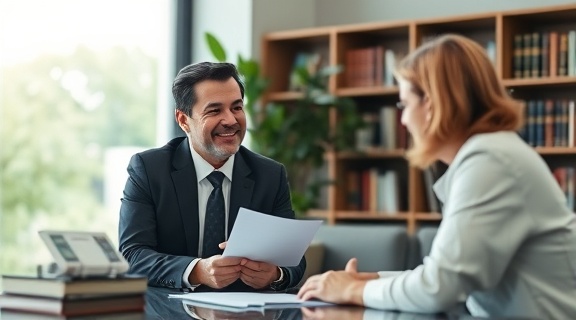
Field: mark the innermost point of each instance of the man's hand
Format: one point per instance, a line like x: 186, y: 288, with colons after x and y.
x: 216, y: 272
x: 258, y: 274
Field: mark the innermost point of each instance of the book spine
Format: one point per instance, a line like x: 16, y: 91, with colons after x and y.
x: 571, y: 119
x: 557, y: 123
x: 518, y: 55
x: 526, y: 55
x: 545, y: 53
x: 536, y: 55
x: 553, y: 54
x: 549, y: 123
x: 531, y: 123
x: 540, y: 110
x: 571, y: 52
x: 353, y: 186
x: 565, y: 123
x: 563, y: 54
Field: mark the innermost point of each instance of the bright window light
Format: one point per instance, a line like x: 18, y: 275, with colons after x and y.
x: 79, y: 94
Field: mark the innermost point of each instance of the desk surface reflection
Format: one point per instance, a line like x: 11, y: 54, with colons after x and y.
x: 159, y: 306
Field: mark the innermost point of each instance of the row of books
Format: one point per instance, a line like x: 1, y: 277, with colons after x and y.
x: 27, y: 297
x: 544, y: 54
x: 382, y: 130
x: 370, y: 66
x: 549, y: 123
x: 565, y: 177
x: 374, y: 190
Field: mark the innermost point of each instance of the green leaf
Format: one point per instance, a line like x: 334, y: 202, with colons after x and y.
x: 249, y: 68
x: 215, y: 47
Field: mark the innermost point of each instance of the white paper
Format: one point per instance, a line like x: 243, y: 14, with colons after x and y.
x: 249, y: 300
x: 267, y: 238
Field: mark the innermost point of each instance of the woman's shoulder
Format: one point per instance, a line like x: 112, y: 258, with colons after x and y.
x: 507, y: 144
x: 504, y: 149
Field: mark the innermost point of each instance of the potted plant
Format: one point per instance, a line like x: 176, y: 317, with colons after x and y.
x: 297, y: 134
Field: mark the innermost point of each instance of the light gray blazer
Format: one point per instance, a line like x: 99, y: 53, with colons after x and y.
x: 507, y: 240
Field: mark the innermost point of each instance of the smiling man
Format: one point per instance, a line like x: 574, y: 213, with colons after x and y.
x: 181, y: 200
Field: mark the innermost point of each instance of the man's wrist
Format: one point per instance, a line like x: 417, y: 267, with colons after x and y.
x: 189, y: 274
x: 281, y: 277
x: 282, y: 282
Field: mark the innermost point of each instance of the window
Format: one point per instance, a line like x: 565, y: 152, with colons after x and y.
x: 79, y: 94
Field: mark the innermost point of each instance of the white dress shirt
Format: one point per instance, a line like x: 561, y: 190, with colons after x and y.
x: 203, y: 169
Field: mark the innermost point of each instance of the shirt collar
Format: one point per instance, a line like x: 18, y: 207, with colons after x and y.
x: 203, y: 168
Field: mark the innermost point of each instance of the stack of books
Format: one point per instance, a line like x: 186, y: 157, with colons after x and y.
x: 66, y: 298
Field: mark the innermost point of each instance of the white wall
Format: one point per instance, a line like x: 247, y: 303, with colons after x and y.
x: 277, y: 15
x: 335, y: 12
x: 240, y: 24
x: 229, y: 20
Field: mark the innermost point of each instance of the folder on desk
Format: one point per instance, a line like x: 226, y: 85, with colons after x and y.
x: 246, y: 301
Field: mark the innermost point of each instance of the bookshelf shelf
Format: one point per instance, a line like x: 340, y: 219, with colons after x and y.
x: 365, y: 215
x: 567, y: 151
x: 372, y: 153
x: 284, y: 96
x: 540, y: 82
x: 317, y: 214
x: 372, y: 88
x: 302, y: 35
x: 428, y: 216
x: 368, y: 91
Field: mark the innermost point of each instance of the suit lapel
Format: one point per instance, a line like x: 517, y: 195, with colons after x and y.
x: 184, y: 178
x: 241, y: 189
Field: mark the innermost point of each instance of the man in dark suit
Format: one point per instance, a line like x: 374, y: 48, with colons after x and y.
x: 164, y: 209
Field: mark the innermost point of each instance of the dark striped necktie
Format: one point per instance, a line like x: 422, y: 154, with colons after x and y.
x: 215, y: 219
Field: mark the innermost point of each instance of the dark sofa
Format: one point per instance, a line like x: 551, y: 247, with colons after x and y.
x: 378, y: 247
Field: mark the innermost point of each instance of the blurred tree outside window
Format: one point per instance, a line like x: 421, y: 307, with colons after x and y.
x: 78, y: 96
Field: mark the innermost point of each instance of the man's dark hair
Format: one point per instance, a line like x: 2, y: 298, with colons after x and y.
x: 183, y: 86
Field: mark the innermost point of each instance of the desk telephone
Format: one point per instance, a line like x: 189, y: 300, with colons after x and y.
x: 80, y: 254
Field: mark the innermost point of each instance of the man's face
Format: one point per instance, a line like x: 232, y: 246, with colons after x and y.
x: 218, y: 123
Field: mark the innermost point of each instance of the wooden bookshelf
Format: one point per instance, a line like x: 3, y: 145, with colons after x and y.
x: 496, y: 31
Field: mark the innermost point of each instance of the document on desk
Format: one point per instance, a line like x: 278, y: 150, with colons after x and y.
x: 239, y: 301
x: 267, y: 238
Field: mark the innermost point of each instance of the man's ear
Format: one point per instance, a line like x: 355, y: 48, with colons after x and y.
x: 182, y: 120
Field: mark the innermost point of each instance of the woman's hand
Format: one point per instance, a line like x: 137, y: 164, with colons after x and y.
x: 342, y: 287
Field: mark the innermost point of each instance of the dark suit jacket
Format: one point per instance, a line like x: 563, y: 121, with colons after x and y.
x: 158, y: 227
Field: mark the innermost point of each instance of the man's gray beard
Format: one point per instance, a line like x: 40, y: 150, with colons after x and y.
x: 212, y: 149
x: 218, y: 153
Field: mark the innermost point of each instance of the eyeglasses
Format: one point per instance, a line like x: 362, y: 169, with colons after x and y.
x: 400, y: 105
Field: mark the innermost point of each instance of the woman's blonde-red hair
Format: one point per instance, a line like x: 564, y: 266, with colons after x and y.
x: 466, y: 95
